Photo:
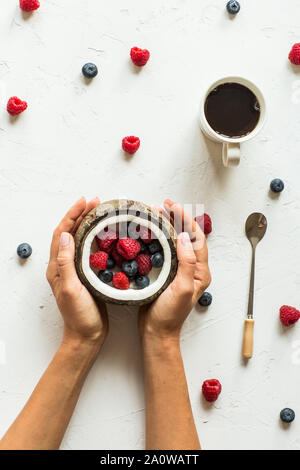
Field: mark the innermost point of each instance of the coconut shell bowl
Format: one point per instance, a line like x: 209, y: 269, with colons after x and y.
x: 125, y: 218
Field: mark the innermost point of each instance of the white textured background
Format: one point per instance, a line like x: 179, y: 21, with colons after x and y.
x: 67, y: 144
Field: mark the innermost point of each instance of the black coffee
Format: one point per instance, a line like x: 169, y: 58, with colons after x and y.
x: 232, y: 110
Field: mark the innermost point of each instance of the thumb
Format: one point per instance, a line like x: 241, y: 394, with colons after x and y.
x: 65, y: 257
x: 187, y: 262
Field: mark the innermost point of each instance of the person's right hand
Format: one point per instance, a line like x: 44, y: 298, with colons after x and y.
x: 165, y: 317
x: 84, y: 320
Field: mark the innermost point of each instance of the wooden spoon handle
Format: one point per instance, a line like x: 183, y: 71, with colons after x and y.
x: 248, y: 338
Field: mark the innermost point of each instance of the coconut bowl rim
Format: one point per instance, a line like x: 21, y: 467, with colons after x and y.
x: 118, y: 207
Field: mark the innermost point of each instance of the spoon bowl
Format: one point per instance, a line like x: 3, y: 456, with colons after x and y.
x: 256, y: 226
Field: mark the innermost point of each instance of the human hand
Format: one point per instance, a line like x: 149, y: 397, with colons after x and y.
x: 165, y: 317
x: 84, y: 320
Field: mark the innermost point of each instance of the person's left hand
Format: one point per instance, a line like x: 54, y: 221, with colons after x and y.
x: 83, y: 319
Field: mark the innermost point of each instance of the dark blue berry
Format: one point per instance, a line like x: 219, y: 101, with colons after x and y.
x: 110, y: 263
x: 105, y: 276
x: 205, y: 300
x: 154, y: 247
x: 90, y: 70
x: 157, y: 260
x: 233, y: 7
x: 142, y: 281
x: 277, y: 185
x: 287, y: 415
x: 130, y: 268
x: 144, y: 248
x: 24, y: 250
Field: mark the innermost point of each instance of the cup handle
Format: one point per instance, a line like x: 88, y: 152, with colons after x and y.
x: 231, y: 154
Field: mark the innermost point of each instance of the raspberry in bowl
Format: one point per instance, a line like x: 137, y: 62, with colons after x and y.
x: 125, y: 252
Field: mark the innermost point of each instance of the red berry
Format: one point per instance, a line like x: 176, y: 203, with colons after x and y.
x: 16, y: 106
x: 99, y: 260
x: 131, y: 144
x: 289, y: 315
x: 139, y: 56
x: 145, y: 234
x: 121, y: 281
x: 105, y: 240
x: 205, y: 223
x: 116, y: 256
x: 144, y: 264
x: 211, y: 389
x: 128, y: 248
x: 29, y: 5
x: 294, y: 55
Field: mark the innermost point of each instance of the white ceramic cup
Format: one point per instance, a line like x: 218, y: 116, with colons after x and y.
x: 231, y: 153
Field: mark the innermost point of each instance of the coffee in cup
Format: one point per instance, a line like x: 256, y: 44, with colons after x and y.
x: 232, y: 111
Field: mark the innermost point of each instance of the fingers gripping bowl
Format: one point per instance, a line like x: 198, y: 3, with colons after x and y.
x: 125, y: 218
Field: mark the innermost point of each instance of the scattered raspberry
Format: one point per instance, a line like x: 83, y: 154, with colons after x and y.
x: 145, y: 234
x: 128, y: 248
x: 294, y: 55
x: 105, y: 240
x: 139, y: 56
x: 99, y: 260
x: 16, y: 106
x: 29, y: 5
x: 131, y: 144
x: 144, y: 264
x: 205, y: 223
x: 211, y: 389
x: 289, y: 315
x: 116, y: 256
x: 121, y: 281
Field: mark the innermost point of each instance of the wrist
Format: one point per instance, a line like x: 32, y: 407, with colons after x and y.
x: 154, y: 331
x: 76, y: 344
x: 90, y: 335
x: 164, y: 346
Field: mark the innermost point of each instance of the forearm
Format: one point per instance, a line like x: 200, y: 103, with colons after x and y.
x: 169, y: 418
x: 44, y: 419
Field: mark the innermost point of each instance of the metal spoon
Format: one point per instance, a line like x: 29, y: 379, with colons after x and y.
x: 256, y: 226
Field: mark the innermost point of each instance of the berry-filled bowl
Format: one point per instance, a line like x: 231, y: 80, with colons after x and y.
x: 125, y: 252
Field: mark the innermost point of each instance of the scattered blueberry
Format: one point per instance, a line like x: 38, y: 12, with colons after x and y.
x: 24, y: 250
x: 90, y: 70
x: 130, y: 268
x: 233, y: 7
x: 205, y: 300
x: 154, y: 246
x: 277, y: 185
x: 110, y: 263
x: 287, y: 415
x: 105, y: 276
x: 142, y: 281
x: 157, y: 260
